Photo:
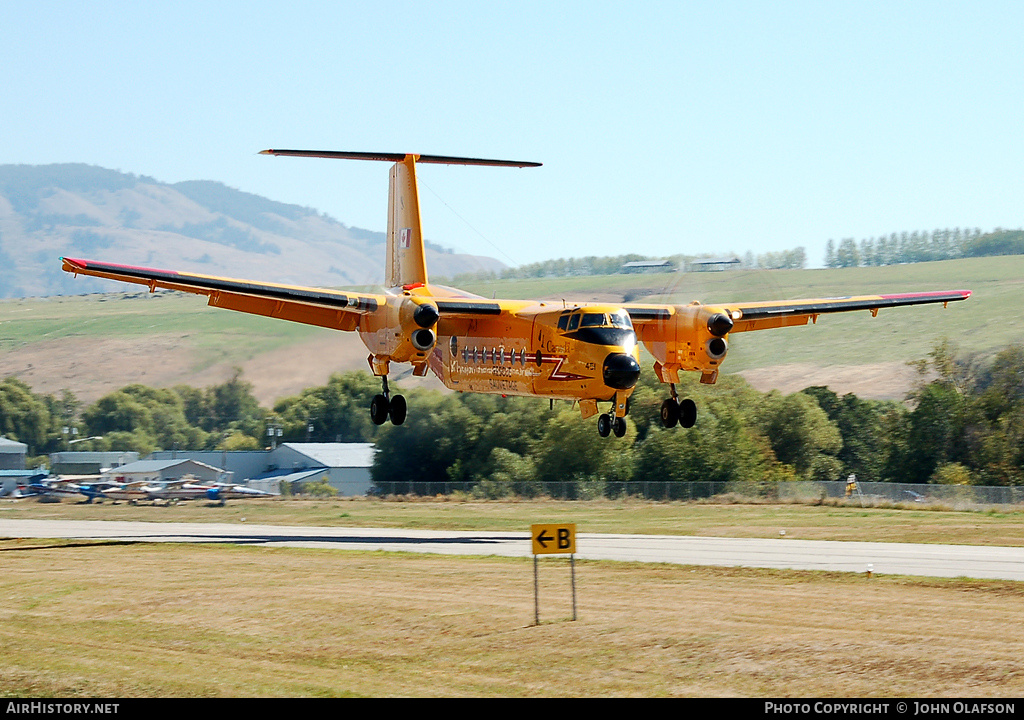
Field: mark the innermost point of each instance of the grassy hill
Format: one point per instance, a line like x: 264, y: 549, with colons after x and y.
x: 94, y: 344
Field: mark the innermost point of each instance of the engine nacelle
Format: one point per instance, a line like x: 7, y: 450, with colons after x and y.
x: 693, y: 338
x: 419, y: 324
x: 405, y: 332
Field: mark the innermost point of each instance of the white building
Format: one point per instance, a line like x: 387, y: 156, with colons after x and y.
x: 164, y: 470
x: 12, y: 454
x: 344, y: 466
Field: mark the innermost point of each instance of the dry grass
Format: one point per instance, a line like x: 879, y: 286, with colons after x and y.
x: 127, y: 620
x: 166, y: 620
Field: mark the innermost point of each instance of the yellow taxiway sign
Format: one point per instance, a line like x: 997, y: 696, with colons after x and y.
x: 553, y: 538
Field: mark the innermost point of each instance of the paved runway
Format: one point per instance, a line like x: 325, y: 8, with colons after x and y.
x: 885, y: 558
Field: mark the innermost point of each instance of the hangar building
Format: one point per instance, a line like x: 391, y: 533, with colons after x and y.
x: 345, y: 466
x: 12, y: 454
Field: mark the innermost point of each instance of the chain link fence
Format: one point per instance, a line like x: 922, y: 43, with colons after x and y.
x: 952, y: 496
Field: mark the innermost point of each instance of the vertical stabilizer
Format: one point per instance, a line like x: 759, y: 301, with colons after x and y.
x: 406, y: 263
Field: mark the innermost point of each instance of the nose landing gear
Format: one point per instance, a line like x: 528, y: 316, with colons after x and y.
x: 613, y: 422
x: 606, y: 425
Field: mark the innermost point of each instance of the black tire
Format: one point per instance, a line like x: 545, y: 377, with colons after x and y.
x: 397, y: 410
x: 670, y: 413
x: 619, y: 426
x: 379, y: 409
x: 687, y: 413
x: 604, y: 425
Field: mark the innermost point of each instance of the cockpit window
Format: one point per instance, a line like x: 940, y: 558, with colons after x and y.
x: 620, y: 319
x: 574, y: 321
x: 563, y: 322
x: 594, y: 320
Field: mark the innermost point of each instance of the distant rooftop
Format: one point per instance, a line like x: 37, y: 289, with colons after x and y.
x: 336, y: 454
x: 12, y: 446
x: 716, y: 261
x: 147, y: 466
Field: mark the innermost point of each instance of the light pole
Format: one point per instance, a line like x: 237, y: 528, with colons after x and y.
x: 274, y: 432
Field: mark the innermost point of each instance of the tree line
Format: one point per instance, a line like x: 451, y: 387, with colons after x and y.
x: 962, y: 424
x: 893, y: 249
x: 923, y: 246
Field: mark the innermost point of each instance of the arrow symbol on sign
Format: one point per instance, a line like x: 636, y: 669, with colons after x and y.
x: 544, y: 538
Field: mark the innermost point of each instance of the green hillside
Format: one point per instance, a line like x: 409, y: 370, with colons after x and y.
x: 211, y: 334
x: 205, y: 339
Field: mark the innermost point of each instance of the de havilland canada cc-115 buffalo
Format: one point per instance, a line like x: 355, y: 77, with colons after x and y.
x: 584, y: 352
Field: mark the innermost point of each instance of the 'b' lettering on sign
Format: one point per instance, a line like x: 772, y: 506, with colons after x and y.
x: 553, y: 538
x: 563, y: 539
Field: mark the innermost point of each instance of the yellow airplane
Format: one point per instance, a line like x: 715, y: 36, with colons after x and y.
x: 586, y: 353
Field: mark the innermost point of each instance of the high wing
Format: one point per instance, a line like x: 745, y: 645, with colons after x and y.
x: 763, y: 315
x: 694, y: 337
x: 312, y: 306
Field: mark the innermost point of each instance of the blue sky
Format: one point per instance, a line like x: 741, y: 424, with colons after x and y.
x: 664, y: 128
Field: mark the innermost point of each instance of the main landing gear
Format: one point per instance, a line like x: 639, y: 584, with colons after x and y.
x: 675, y: 411
x: 386, y: 405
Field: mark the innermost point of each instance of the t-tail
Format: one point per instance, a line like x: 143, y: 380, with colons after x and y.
x: 406, y: 260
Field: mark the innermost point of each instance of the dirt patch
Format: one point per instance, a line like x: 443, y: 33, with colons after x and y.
x: 93, y: 367
x: 288, y: 371
x: 878, y: 381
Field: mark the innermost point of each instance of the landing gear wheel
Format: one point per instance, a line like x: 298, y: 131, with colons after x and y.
x: 670, y: 413
x: 619, y: 426
x: 604, y: 425
x: 687, y: 413
x: 379, y: 409
x: 397, y: 410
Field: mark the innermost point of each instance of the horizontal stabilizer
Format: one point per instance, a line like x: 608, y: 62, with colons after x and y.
x: 398, y: 157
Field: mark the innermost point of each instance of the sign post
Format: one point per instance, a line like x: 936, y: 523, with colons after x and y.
x: 553, y: 539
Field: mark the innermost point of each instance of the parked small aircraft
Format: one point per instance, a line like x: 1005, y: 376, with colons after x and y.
x: 131, y: 491
x: 587, y: 353
x: 177, y: 490
x: 174, y: 491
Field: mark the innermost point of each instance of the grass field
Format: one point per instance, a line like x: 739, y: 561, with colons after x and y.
x: 989, y: 320
x: 95, y: 344
x: 211, y: 334
x: 116, y: 620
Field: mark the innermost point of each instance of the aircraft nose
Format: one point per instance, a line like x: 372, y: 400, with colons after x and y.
x: 621, y: 371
